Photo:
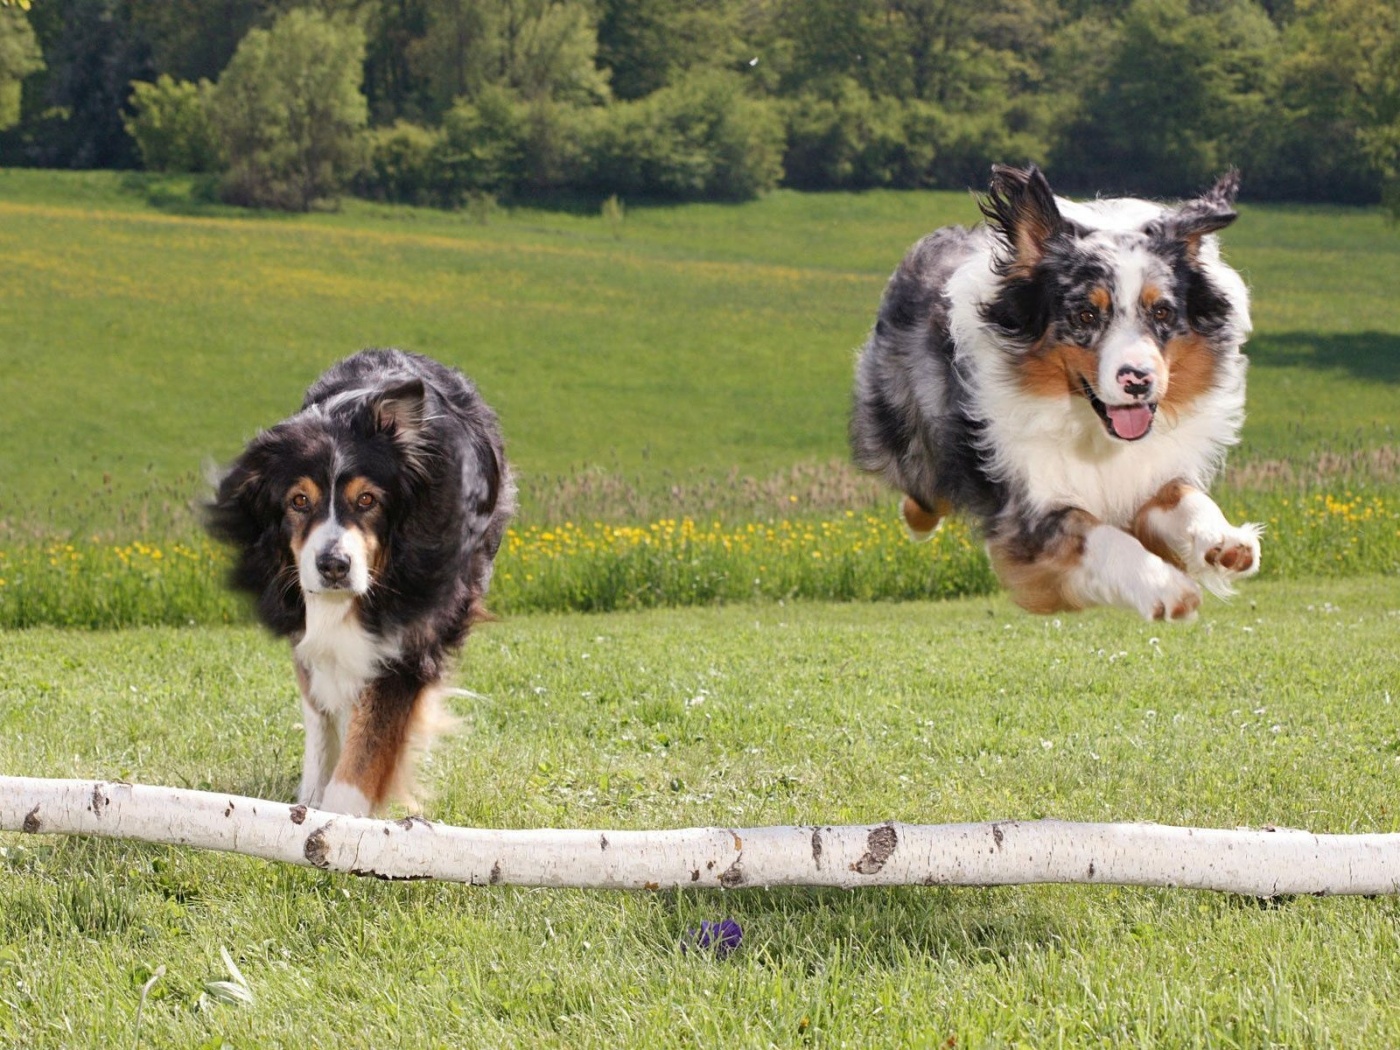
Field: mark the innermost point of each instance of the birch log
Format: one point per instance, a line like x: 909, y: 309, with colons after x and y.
x: 1263, y: 863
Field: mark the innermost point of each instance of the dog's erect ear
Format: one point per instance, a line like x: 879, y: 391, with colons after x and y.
x: 1020, y: 207
x: 1212, y: 211
x: 401, y: 411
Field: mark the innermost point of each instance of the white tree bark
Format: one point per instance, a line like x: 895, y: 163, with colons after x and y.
x: 1264, y: 862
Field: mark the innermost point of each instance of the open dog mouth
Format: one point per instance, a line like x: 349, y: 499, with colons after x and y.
x: 1125, y: 422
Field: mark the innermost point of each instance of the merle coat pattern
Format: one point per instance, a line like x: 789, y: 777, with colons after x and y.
x: 1069, y: 375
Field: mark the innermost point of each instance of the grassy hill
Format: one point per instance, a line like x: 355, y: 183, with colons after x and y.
x: 145, y: 334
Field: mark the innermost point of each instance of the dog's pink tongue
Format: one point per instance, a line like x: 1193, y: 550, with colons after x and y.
x: 1130, y: 422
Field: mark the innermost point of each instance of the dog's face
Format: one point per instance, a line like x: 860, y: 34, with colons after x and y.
x: 336, y: 529
x: 1118, y: 313
x: 312, y: 502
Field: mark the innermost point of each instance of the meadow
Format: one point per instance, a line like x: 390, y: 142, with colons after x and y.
x: 1277, y: 709
x: 673, y: 388
x: 684, y: 365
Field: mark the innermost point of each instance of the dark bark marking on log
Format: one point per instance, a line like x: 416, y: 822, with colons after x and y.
x: 408, y: 822
x: 998, y: 835
x: 879, y: 845
x: 817, y: 847
x: 495, y: 873
x: 32, y: 823
x: 372, y: 874
x: 1091, y: 869
x: 709, y: 865
x: 738, y: 842
x: 99, y: 800
x: 317, y: 850
x: 229, y: 811
x: 733, y: 875
x: 298, y: 814
x: 695, y: 875
x: 604, y: 843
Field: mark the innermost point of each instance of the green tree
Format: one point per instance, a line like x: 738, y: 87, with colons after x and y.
x: 72, y: 111
x: 170, y: 123
x: 1184, y: 90
x: 193, y: 39
x: 288, y: 112
x: 1342, y: 96
x: 646, y: 44
x: 19, y: 56
x: 536, y: 48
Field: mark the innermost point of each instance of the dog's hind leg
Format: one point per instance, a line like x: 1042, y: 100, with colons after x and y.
x: 922, y: 522
x: 393, y: 719
x: 1068, y: 559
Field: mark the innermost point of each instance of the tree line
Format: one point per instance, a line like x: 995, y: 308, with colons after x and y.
x: 287, y: 103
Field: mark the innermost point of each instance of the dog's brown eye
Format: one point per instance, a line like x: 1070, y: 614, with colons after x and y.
x: 1086, y: 316
x: 365, y: 500
x: 301, y: 501
x: 1163, y: 314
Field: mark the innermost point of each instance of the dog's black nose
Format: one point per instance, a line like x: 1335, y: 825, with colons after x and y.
x: 333, y: 566
x: 1134, y: 381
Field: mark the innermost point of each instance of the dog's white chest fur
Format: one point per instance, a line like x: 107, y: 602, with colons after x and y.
x: 340, y: 657
x: 1056, y: 453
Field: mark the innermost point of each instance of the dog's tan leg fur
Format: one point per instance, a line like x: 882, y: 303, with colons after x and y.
x: 1071, y: 560
x: 1183, y: 526
x: 388, y: 725
x: 1037, y: 575
x: 923, y: 523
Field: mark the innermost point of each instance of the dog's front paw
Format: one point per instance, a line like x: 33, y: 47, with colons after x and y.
x: 1158, y: 591
x: 309, y: 795
x: 1218, y: 560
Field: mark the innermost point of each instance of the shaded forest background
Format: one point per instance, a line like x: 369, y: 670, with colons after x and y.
x: 288, y: 103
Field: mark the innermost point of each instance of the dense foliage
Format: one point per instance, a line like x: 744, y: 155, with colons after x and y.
x: 724, y: 98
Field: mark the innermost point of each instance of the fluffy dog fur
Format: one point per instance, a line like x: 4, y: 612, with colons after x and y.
x: 365, y: 528
x: 1070, y: 375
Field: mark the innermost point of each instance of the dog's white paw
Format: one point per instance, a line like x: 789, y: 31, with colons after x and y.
x: 310, y: 795
x: 344, y: 797
x: 1164, y: 592
x: 1217, y: 560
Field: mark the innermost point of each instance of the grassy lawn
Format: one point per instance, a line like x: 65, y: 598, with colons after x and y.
x: 674, y: 393
x: 1276, y: 708
x: 690, y: 342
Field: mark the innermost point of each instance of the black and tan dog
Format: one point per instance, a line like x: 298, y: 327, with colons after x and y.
x: 365, y: 528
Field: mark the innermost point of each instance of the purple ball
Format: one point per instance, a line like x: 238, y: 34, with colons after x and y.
x: 719, y: 937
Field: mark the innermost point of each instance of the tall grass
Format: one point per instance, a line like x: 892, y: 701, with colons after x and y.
x: 600, y: 566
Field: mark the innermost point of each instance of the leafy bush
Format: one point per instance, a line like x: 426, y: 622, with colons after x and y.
x: 844, y: 138
x: 19, y: 57
x: 171, y: 126
x: 404, y: 163
x: 288, y: 112
x: 495, y: 145
x: 483, y: 142
x: 701, y: 137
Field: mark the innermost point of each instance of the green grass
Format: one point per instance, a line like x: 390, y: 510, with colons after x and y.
x: 697, y: 365
x: 147, y: 340
x: 1274, y: 709
x: 599, y: 567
